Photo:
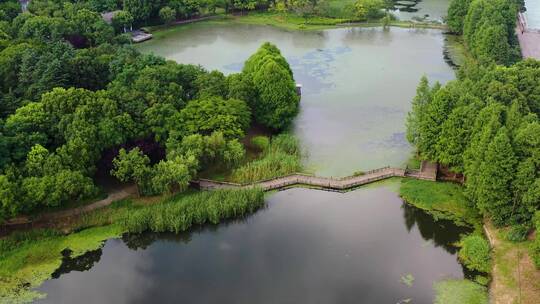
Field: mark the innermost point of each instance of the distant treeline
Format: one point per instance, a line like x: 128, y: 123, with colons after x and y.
x: 488, y: 28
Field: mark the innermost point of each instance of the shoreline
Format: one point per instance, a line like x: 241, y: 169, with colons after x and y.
x: 287, y: 23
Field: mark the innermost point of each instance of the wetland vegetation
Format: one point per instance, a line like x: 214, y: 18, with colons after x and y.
x: 78, y: 103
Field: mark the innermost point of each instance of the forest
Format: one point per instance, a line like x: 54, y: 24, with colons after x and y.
x: 484, y: 125
x: 76, y: 99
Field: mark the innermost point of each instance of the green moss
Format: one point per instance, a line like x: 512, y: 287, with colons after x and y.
x: 442, y: 200
x: 460, y: 292
x: 33, y: 262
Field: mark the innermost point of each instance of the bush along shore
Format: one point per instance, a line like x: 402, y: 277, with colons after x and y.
x: 27, y: 259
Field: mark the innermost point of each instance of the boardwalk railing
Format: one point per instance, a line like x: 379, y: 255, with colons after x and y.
x: 325, y: 183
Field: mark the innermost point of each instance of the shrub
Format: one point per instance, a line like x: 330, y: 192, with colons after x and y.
x: 475, y: 253
x: 261, y: 142
x: 518, y: 233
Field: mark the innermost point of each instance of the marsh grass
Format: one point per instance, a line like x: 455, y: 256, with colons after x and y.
x: 179, y: 215
x: 281, y: 156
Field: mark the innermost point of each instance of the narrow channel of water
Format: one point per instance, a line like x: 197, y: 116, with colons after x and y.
x: 358, y: 83
x: 306, y: 247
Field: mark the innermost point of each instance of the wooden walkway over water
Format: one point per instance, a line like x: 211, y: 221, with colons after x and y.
x: 428, y: 171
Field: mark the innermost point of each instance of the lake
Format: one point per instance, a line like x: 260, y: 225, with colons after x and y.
x: 533, y: 14
x: 358, y: 83
x: 307, y: 246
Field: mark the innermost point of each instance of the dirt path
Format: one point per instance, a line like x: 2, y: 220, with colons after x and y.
x: 113, y: 196
x: 515, y: 279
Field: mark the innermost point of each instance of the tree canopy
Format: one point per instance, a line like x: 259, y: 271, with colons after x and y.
x: 75, y: 100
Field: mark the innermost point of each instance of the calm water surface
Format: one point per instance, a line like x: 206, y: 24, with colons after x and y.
x: 533, y: 13
x: 357, y: 83
x: 306, y: 247
x: 431, y: 10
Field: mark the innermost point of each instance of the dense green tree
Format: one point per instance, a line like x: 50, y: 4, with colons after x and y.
x: 44, y: 28
x: 132, y: 166
x: 168, y: 174
x: 240, y: 86
x: 415, y: 116
x: 123, y: 21
x: 436, y: 112
x: 277, y: 102
x: 167, y: 14
x: 369, y: 9
x: 496, y: 175
x: 457, y: 10
x: 141, y: 10
x: 455, y: 136
x: 205, y: 116
x: 212, y: 84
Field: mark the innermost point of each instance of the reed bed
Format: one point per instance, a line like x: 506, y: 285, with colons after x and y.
x: 179, y: 215
x: 281, y: 156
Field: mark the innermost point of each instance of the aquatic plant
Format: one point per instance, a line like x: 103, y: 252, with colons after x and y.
x: 179, y: 214
x: 280, y: 157
x: 460, y: 292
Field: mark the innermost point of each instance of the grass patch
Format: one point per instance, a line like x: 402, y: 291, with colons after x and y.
x: 28, y: 259
x: 441, y: 200
x: 460, y: 292
x: 280, y: 156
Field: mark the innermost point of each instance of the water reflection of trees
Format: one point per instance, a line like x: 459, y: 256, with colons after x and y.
x: 444, y: 233
x: 140, y: 241
x: 81, y: 263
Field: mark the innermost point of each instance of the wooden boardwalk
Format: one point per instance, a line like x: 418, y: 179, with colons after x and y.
x: 428, y: 171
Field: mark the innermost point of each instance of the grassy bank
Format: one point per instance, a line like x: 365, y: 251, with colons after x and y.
x: 442, y: 200
x: 27, y: 259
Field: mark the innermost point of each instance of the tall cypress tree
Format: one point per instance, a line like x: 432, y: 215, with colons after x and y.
x: 496, y: 175
x: 419, y: 103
